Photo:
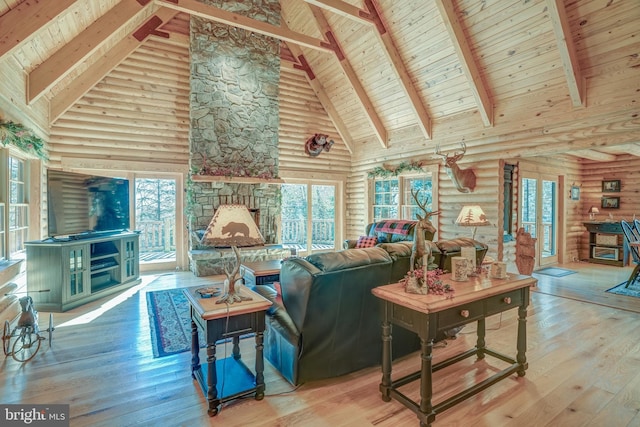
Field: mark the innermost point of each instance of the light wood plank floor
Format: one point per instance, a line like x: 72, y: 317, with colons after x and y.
x: 584, y: 362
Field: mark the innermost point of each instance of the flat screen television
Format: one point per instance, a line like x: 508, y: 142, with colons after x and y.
x: 81, y: 204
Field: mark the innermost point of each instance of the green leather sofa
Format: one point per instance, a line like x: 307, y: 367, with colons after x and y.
x: 327, y: 322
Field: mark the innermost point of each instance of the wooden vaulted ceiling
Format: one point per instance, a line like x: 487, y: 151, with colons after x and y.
x: 383, y: 69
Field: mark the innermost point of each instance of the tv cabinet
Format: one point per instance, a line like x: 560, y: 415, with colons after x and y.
x: 66, y: 273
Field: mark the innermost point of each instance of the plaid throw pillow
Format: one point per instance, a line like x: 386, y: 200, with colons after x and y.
x: 366, y: 242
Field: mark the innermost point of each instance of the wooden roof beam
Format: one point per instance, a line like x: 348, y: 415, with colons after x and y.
x: 467, y: 61
x: 97, y: 71
x: 593, y: 155
x: 301, y: 64
x: 63, y: 61
x: 371, y: 16
x: 22, y: 22
x: 568, y: 54
x: 212, y: 13
x: 361, y: 94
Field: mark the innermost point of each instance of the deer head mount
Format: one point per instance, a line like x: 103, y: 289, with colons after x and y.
x: 464, y: 179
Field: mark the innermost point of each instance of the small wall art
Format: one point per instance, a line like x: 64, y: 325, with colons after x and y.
x: 611, y: 186
x: 610, y: 202
x: 575, y: 192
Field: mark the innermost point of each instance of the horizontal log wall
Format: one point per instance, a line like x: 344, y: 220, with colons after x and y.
x: 627, y: 170
x: 301, y: 116
x: 138, y: 113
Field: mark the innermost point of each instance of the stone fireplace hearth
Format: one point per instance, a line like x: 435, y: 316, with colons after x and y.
x: 234, y: 121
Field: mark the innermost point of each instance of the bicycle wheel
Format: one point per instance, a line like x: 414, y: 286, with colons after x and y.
x: 51, y: 328
x: 6, y: 338
x: 26, y: 345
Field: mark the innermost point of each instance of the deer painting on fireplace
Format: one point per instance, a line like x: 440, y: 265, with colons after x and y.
x: 464, y: 179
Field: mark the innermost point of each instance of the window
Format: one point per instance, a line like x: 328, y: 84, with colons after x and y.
x: 387, y: 203
x: 18, y: 206
x: 14, y: 205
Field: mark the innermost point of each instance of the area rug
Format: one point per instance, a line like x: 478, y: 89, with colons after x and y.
x: 170, y: 322
x: 632, y: 291
x: 555, y: 271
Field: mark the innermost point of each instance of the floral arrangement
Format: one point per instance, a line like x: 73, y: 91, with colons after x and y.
x: 386, y: 171
x: 19, y: 136
x: 434, y: 284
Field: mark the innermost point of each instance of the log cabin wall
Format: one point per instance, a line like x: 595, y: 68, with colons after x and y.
x: 627, y: 170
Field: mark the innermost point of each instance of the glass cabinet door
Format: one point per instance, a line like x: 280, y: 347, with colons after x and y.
x: 75, y: 257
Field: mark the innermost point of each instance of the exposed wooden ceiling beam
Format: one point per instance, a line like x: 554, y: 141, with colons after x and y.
x: 592, y: 155
x: 467, y: 61
x: 567, y: 50
x: 63, y: 61
x: 371, y: 16
x: 398, y: 67
x: 324, y: 99
x: 361, y: 94
x: 20, y: 23
x: 339, y: 7
x: 98, y: 70
x: 212, y: 13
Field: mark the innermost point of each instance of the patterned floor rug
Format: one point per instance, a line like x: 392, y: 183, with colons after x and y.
x: 170, y: 322
x: 632, y: 291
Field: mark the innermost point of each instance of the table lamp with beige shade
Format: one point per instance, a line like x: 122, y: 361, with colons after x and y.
x: 472, y: 216
x: 593, y: 211
x: 232, y: 226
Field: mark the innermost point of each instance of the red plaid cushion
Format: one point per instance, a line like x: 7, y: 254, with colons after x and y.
x: 366, y: 242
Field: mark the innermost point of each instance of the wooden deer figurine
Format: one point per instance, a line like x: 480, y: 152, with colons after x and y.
x: 464, y: 179
x: 419, y: 249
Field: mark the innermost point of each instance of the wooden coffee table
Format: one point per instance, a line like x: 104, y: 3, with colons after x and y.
x: 261, y: 272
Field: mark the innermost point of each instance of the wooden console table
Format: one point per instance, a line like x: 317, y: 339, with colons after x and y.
x: 607, y: 243
x: 220, y: 321
x: 426, y: 315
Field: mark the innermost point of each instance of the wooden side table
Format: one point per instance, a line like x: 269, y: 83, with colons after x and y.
x: 261, y: 272
x: 220, y: 321
x: 426, y: 315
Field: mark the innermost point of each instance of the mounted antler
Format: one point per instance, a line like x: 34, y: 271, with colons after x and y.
x: 232, y: 295
x: 464, y: 179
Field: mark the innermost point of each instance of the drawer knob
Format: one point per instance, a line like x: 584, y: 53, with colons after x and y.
x: 464, y: 313
x: 507, y: 300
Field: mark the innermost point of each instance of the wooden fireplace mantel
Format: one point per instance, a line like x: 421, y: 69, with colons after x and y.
x: 236, y: 179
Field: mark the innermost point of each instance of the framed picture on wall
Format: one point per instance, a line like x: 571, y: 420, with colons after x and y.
x: 575, y: 192
x: 612, y: 186
x: 610, y: 202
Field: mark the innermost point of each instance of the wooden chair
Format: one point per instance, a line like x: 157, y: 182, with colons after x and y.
x: 633, y: 241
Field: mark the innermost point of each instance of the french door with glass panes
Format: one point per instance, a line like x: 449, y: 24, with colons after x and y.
x: 155, y: 213
x: 309, y: 216
x: 539, y: 214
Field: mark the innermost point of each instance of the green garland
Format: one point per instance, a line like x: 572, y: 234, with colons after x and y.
x: 25, y: 140
x: 387, y: 172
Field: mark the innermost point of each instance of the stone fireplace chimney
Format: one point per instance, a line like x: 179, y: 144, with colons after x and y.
x: 234, y: 115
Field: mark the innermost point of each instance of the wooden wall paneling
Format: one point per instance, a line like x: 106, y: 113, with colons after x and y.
x: 13, y: 97
x: 139, y: 112
x: 302, y: 116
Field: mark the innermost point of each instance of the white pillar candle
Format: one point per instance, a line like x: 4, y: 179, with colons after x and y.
x: 469, y: 252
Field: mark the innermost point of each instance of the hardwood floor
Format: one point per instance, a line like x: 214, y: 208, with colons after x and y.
x: 583, y: 369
